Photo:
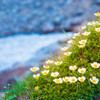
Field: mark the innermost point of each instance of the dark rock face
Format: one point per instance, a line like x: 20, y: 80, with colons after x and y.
x: 97, y: 2
x: 43, y: 16
x: 10, y: 81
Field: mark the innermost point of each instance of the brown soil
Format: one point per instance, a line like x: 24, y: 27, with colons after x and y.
x: 9, y: 74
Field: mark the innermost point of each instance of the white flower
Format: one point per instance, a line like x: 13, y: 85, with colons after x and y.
x: 45, y: 72
x: 82, y: 70
x: 97, y: 14
x: 72, y: 79
x: 49, y: 61
x: 94, y: 80
x: 34, y: 69
x: 64, y: 48
x: 83, y: 41
x: 36, y: 76
x: 70, y: 41
x: 86, y: 33
x: 58, y: 63
x: 91, y: 23
x: 67, y: 53
x: 95, y: 65
x: 47, y: 66
x: 66, y: 79
x: 83, y: 28
x: 73, y: 67
x: 81, y: 79
x: 75, y: 35
x: 81, y: 46
x: 58, y: 80
x: 55, y: 74
x: 97, y: 29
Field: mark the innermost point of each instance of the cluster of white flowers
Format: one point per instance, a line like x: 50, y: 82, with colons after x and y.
x: 69, y: 79
x: 73, y: 67
x: 73, y: 79
x: 82, y: 43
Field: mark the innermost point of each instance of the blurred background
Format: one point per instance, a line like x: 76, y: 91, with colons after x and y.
x: 30, y: 31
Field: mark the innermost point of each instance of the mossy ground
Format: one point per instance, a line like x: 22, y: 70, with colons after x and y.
x: 81, y: 57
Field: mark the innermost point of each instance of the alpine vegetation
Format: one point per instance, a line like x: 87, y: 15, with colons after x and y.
x: 74, y: 75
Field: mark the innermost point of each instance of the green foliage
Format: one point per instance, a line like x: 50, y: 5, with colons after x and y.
x: 81, y: 57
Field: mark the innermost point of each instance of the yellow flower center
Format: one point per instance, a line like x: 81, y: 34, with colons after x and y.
x: 86, y: 32
x: 64, y: 49
x: 98, y: 13
x: 91, y: 22
x: 98, y: 30
x: 83, y: 41
x: 47, y: 66
x: 36, y: 87
x: 36, y: 77
x: 54, y: 74
x: 81, y: 79
x: 66, y: 80
x: 95, y: 65
x: 67, y: 53
x: 82, y: 71
x: 73, y: 80
x: 58, y: 81
x: 34, y: 69
x: 48, y: 61
x: 58, y: 63
x: 73, y: 68
x: 94, y: 81
x: 45, y: 73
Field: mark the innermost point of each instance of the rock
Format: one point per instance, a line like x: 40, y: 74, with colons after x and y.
x: 66, y: 25
x: 97, y: 2
x: 10, y: 81
x: 77, y: 21
x: 42, y: 16
x: 17, y: 64
x: 48, y: 27
x: 78, y: 12
x: 58, y: 19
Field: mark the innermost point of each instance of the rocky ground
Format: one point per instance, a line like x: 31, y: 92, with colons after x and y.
x: 44, y: 16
